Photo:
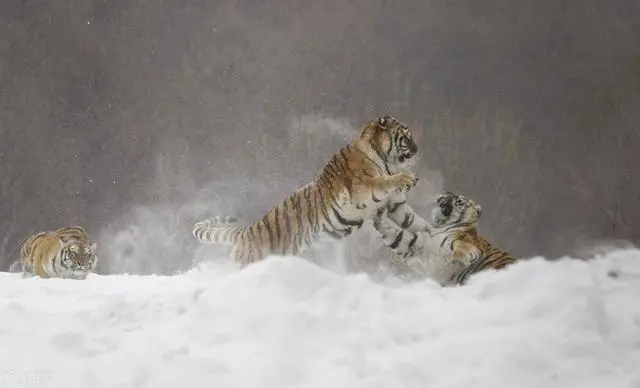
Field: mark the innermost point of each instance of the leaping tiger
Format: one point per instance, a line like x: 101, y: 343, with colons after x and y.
x: 369, y: 173
x: 450, y: 250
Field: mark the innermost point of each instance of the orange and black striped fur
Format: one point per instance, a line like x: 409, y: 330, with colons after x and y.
x: 64, y: 253
x: 369, y: 173
x: 450, y: 250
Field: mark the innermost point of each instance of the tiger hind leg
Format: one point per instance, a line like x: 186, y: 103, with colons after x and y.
x: 25, y: 268
x: 16, y: 267
x: 248, y: 253
x: 27, y: 273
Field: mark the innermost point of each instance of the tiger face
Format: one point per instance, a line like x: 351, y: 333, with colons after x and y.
x: 392, y: 140
x: 455, y: 209
x: 78, y: 256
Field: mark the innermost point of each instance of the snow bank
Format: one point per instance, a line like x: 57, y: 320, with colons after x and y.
x: 287, y: 323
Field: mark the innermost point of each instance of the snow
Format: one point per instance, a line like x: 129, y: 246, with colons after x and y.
x: 286, y: 322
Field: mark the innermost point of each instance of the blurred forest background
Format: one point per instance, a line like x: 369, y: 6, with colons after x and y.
x: 135, y: 118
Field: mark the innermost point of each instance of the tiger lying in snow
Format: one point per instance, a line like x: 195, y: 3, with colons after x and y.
x: 450, y: 250
x: 65, y: 253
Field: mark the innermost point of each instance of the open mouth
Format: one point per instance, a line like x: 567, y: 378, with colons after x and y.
x: 406, y: 156
x: 444, y: 202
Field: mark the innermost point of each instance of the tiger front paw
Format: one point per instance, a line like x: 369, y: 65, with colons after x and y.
x: 405, y: 181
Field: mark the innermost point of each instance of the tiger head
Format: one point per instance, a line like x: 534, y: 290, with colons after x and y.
x: 453, y: 209
x: 78, y: 256
x: 391, y: 139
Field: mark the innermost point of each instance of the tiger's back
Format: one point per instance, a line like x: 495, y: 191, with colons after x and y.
x: 287, y: 229
x: 356, y: 181
x: 63, y: 253
x: 491, y: 257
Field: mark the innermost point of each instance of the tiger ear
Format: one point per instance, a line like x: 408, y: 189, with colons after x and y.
x: 479, y: 210
x: 382, y: 120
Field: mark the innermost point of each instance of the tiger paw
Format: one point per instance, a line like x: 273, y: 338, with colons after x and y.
x: 405, y: 181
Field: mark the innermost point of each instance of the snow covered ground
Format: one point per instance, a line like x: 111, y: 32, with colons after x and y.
x: 286, y: 323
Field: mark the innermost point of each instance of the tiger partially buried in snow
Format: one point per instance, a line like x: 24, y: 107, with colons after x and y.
x: 65, y: 253
x: 450, y: 250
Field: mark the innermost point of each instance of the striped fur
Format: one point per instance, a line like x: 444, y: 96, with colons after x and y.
x: 369, y: 173
x: 64, y: 253
x: 450, y: 249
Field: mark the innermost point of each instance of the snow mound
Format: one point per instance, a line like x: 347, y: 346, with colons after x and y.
x: 285, y: 322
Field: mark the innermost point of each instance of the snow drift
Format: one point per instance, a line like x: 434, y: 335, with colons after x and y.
x: 285, y: 322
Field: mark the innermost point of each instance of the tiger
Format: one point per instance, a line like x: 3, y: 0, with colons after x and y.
x: 370, y: 172
x: 449, y: 250
x: 66, y: 253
